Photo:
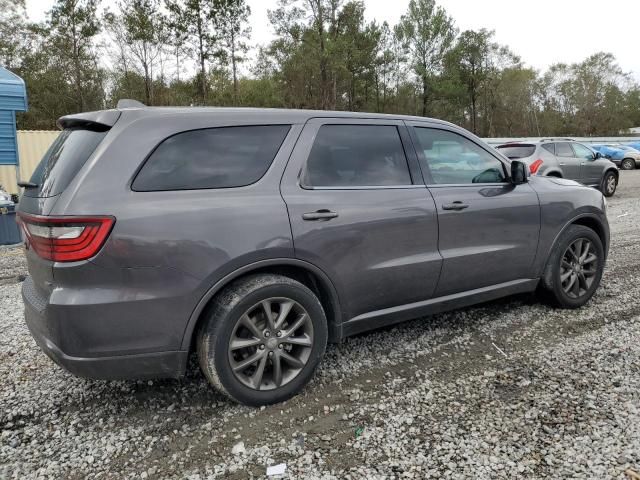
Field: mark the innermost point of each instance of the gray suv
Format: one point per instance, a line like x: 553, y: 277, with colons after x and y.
x: 254, y: 237
x: 566, y: 159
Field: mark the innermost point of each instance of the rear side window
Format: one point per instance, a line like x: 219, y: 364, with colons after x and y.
x: 64, y: 159
x: 517, y: 151
x: 211, y: 158
x: 550, y: 147
x: 356, y: 156
x: 564, y: 150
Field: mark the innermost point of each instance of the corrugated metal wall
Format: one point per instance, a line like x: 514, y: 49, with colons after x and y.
x: 32, y: 145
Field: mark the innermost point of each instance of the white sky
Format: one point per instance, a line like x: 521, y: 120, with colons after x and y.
x: 541, y: 32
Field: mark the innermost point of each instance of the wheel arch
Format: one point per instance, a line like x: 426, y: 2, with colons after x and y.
x: 613, y: 170
x: 586, y: 220
x: 554, y: 173
x: 306, y: 273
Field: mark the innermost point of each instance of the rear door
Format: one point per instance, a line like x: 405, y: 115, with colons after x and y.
x: 488, y: 227
x: 360, y: 211
x: 568, y: 161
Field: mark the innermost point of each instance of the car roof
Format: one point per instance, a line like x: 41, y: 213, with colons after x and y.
x: 109, y: 117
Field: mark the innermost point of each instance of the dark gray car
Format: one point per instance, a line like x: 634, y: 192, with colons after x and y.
x: 565, y: 158
x: 253, y: 237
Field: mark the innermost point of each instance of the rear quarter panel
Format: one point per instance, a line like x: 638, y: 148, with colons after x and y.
x: 168, y: 248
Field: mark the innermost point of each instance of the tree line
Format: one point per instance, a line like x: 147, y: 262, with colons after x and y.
x: 324, y: 55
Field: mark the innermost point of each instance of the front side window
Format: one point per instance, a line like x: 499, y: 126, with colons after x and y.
x: 356, y: 156
x: 211, y: 158
x: 582, y: 151
x: 454, y: 159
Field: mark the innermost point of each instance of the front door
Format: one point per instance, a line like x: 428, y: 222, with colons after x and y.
x: 360, y: 211
x: 569, y: 162
x: 591, y: 169
x: 488, y: 227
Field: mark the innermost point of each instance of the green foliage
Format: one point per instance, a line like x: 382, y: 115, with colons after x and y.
x: 427, y: 32
x: 325, y: 55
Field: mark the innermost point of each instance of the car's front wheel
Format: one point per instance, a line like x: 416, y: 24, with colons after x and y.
x: 609, y: 184
x: 262, y: 339
x: 628, y: 164
x: 574, y: 268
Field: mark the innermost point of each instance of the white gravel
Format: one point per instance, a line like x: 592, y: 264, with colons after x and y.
x: 509, y: 389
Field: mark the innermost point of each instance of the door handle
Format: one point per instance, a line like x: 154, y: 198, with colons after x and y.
x: 319, y: 215
x: 455, y: 206
x: 562, y: 164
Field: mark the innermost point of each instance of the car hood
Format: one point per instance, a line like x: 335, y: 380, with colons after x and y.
x: 563, y: 181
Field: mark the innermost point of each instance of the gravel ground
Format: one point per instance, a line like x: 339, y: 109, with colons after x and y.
x: 509, y: 389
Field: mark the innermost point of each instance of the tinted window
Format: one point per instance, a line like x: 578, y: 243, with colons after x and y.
x: 63, y: 161
x: 357, y: 155
x: 453, y: 159
x: 564, y: 150
x: 582, y: 151
x: 517, y: 151
x: 211, y: 158
x: 550, y: 147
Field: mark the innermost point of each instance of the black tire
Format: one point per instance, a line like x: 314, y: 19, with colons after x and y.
x: 223, y: 322
x: 628, y: 164
x: 609, y: 184
x: 552, y: 283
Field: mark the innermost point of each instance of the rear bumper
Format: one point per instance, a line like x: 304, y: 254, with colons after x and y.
x: 166, y: 364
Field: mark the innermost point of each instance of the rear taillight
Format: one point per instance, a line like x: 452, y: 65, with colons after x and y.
x: 65, y: 239
x: 535, y: 166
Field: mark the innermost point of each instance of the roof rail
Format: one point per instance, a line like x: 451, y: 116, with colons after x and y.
x: 557, y: 139
x: 128, y: 103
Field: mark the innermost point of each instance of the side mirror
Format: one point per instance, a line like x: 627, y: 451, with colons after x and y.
x: 598, y: 155
x: 519, y: 172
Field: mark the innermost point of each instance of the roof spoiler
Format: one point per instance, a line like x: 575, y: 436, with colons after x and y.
x: 128, y: 103
x: 102, y: 120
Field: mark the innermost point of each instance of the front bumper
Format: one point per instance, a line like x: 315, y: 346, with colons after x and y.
x: 166, y: 364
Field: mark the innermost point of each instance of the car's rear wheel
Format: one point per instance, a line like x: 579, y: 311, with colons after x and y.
x: 574, y: 268
x: 628, y: 164
x: 262, y: 339
x: 609, y: 184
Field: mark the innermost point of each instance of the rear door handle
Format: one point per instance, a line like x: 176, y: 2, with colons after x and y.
x: 455, y: 206
x: 319, y: 215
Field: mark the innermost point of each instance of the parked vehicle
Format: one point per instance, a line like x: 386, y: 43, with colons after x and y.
x: 565, y: 158
x: 624, y: 156
x: 635, y: 145
x: 255, y: 236
x: 4, y: 196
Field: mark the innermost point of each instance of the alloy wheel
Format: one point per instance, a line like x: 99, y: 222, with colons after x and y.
x: 628, y: 164
x: 611, y: 184
x: 578, y: 269
x: 270, y: 343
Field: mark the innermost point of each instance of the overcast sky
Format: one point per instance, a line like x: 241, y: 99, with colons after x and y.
x: 542, y: 32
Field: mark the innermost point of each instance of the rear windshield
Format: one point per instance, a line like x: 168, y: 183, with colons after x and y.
x: 517, y: 151
x: 63, y: 161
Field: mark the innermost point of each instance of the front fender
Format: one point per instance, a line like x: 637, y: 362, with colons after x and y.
x: 564, y: 204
